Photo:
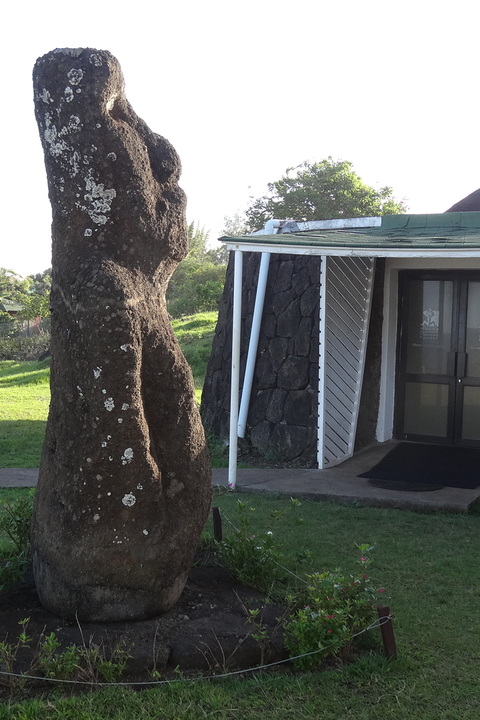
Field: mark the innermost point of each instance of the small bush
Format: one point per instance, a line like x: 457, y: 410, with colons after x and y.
x: 15, y: 519
x: 20, y: 348
x: 331, y: 611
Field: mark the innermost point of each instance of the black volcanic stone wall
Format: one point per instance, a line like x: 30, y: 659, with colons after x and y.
x: 281, y: 424
x: 282, y: 419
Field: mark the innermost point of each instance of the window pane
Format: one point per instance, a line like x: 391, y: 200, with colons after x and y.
x: 473, y: 330
x: 429, y: 326
x: 426, y: 409
x: 471, y: 413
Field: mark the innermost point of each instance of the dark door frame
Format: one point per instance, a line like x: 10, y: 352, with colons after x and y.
x: 456, y: 357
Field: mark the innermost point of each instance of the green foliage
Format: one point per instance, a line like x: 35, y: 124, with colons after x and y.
x: 321, y: 191
x: 20, y: 347
x: 87, y: 662
x: 252, y: 556
x: 15, y: 519
x: 335, y: 608
x: 234, y: 225
x: 197, y: 283
x: 31, y: 293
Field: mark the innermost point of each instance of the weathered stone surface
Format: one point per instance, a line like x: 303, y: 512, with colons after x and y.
x: 124, y: 487
x: 293, y: 375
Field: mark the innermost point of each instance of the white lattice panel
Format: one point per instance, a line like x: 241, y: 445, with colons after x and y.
x: 345, y: 298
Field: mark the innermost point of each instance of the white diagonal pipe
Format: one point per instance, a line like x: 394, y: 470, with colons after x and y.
x: 253, y: 344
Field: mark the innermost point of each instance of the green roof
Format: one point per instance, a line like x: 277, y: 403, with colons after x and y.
x: 10, y: 306
x: 417, y: 232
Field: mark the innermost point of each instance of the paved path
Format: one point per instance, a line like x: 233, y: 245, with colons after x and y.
x: 340, y: 484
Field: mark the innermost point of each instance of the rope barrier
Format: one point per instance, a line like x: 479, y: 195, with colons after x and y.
x: 376, y: 624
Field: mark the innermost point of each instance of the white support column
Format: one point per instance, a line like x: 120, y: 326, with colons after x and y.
x: 321, y: 361
x: 235, y: 381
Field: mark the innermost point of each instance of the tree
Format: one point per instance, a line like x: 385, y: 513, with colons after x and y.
x: 197, y: 283
x: 32, y: 293
x: 321, y: 191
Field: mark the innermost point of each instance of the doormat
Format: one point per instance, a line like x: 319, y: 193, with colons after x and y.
x: 419, y: 464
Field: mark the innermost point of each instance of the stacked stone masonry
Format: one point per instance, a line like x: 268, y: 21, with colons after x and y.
x: 282, y: 418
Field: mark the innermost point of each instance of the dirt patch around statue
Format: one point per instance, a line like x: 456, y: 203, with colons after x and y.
x: 208, y: 631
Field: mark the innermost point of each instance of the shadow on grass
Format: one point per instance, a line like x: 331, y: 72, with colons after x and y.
x: 25, y: 373
x: 21, y: 442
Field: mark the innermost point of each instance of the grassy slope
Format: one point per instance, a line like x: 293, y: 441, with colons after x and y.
x: 429, y: 565
x: 25, y: 392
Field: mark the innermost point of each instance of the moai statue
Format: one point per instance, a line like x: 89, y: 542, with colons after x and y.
x: 125, y: 479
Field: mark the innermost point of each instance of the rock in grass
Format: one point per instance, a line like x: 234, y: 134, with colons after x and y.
x: 125, y: 480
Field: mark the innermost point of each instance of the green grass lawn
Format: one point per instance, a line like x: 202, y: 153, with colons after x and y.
x: 25, y: 392
x: 429, y: 566
x: 24, y: 400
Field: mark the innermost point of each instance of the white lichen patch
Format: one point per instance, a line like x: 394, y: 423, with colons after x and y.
x: 139, y: 487
x: 125, y: 406
x: 68, y: 92
x: 45, y: 96
x: 75, y: 76
x: 97, y: 372
x: 96, y: 517
x: 80, y: 391
x: 124, y: 348
x: 145, y: 532
x: 56, y: 147
x: 88, y: 232
x: 127, y: 456
x: 99, y: 477
x: 129, y: 500
x: 109, y: 404
x: 99, y: 200
x: 104, y: 444
x: 104, y: 391
x: 120, y: 421
x: 89, y: 460
x: 96, y: 59
x: 112, y: 156
x: 74, y: 125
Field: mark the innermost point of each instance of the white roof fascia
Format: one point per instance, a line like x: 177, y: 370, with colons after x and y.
x: 354, y: 251
x: 339, y: 223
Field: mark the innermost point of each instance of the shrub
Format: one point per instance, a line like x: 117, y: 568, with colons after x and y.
x: 15, y: 519
x: 333, y: 609
x: 17, y: 347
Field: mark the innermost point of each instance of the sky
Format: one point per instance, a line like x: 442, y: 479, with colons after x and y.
x: 245, y: 90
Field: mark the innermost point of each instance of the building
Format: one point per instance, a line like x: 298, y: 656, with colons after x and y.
x: 394, y: 343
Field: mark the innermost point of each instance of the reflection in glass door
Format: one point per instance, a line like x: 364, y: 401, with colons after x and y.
x: 438, y: 391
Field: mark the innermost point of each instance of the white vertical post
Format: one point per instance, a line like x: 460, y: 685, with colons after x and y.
x: 321, y: 362
x: 235, y: 381
x: 253, y: 344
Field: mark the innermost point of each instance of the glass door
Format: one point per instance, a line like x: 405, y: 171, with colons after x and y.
x: 438, y: 389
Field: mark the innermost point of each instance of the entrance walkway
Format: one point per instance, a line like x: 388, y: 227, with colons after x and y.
x: 339, y: 484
